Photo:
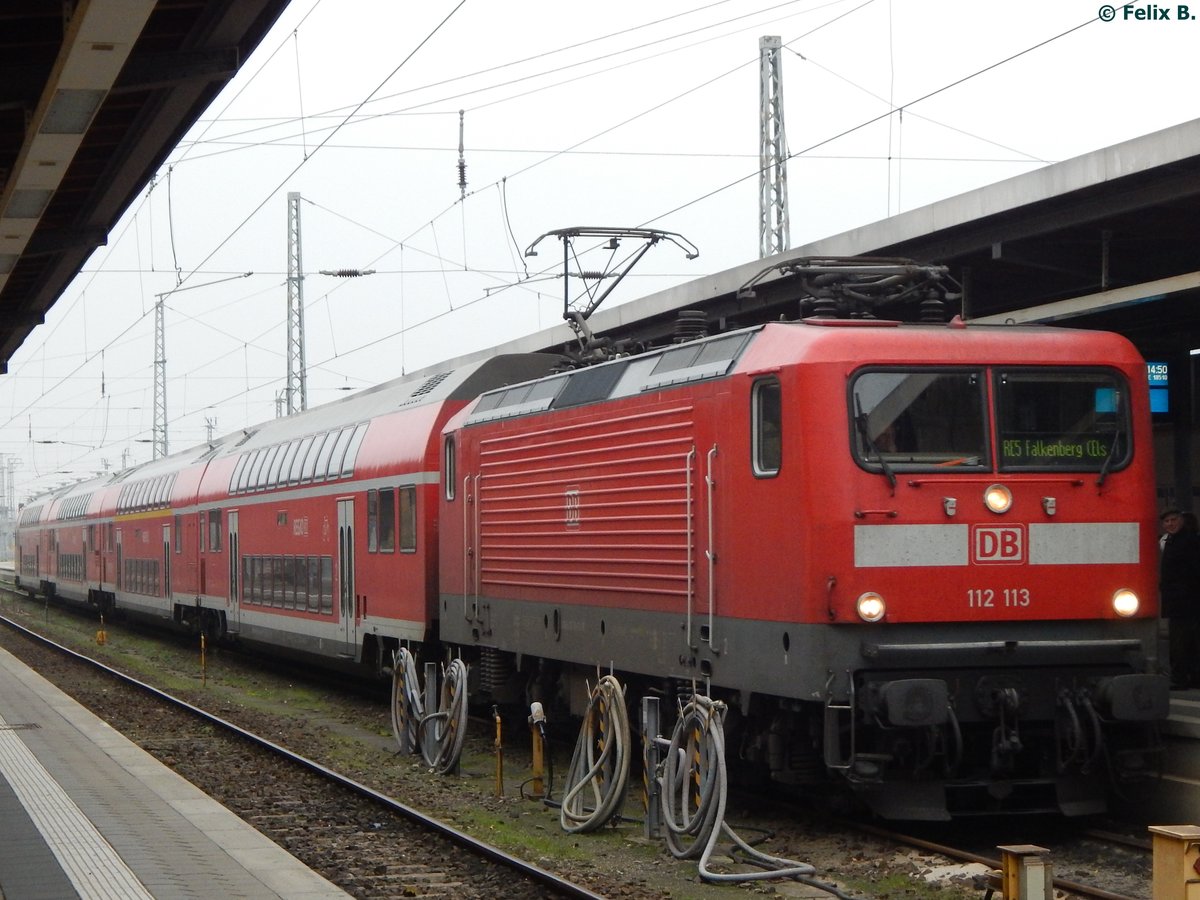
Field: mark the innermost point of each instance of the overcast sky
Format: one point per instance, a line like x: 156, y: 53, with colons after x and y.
x: 621, y: 113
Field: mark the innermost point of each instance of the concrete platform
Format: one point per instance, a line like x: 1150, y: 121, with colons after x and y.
x: 86, y: 813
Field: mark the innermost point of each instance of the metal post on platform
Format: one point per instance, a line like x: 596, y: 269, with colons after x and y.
x: 1176, y: 861
x: 1027, y: 873
x: 429, y: 741
x: 651, y: 757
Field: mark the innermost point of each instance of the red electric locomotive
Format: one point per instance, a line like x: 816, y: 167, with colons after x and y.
x: 920, y: 558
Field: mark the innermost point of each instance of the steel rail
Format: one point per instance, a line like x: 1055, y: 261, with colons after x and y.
x: 560, y: 886
x: 1085, y: 890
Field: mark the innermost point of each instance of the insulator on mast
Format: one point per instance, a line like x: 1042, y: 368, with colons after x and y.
x: 462, y: 162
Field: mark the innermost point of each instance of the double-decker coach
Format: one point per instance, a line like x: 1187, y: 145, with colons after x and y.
x: 313, y: 534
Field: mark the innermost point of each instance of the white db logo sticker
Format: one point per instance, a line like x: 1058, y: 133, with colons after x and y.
x: 997, y: 545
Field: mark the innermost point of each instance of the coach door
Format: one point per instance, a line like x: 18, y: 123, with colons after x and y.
x: 235, y: 575
x: 120, y: 567
x: 167, y: 561
x: 346, y: 570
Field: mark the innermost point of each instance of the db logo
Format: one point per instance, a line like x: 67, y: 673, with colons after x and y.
x: 572, y: 507
x: 998, y: 545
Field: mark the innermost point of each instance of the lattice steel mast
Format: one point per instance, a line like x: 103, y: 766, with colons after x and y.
x: 296, y: 389
x: 772, y: 176
x: 160, y: 379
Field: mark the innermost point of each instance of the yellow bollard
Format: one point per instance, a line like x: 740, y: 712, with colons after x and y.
x: 1176, y: 862
x: 499, y: 755
x: 537, y: 733
x: 102, y: 635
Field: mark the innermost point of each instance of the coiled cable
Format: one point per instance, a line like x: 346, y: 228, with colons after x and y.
x: 693, y: 793
x: 441, y: 734
x: 599, y: 768
x: 407, y: 705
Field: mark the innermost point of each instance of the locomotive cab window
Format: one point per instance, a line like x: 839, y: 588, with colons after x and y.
x: 1062, y: 419
x: 919, y: 419
x: 448, y: 468
x: 767, y: 428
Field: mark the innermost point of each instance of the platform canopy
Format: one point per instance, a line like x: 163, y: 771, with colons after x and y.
x: 94, y: 95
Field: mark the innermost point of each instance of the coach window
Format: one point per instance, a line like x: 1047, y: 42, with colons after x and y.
x: 767, y: 427
x: 314, y: 584
x: 179, y: 534
x: 237, y: 470
x: 327, y: 585
x: 276, y: 465
x: 214, y: 530
x: 372, y: 521
x: 408, y: 519
x: 322, y: 470
x: 263, y: 477
x: 310, y: 462
x: 244, y: 471
x: 387, y: 520
x: 448, y: 467
x: 356, y: 440
x: 339, y: 452
x: 260, y: 457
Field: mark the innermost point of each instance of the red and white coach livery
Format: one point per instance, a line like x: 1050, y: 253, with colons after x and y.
x: 313, y: 533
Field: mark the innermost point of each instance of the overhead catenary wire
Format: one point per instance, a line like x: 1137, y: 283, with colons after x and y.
x: 460, y: 306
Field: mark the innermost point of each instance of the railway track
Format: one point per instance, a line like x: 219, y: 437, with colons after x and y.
x: 1063, y: 856
x: 370, y: 845
x: 349, y: 848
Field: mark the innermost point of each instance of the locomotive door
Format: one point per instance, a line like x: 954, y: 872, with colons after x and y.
x: 235, y: 574
x: 346, y: 570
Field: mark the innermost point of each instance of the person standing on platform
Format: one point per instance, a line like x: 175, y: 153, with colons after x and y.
x: 1179, y: 589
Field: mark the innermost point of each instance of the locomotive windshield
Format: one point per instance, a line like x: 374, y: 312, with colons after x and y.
x: 1061, y: 419
x: 1046, y: 419
x: 918, y: 418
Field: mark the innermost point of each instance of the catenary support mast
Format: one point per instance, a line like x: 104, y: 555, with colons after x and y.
x: 772, y: 176
x: 296, y: 389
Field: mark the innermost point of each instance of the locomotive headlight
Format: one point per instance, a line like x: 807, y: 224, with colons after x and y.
x: 871, y: 607
x: 1125, y: 603
x: 997, y: 498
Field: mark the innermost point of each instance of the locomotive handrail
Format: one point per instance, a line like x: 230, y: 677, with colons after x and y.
x: 466, y: 493
x: 478, y: 538
x: 710, y: 551
x: 687, y: 538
